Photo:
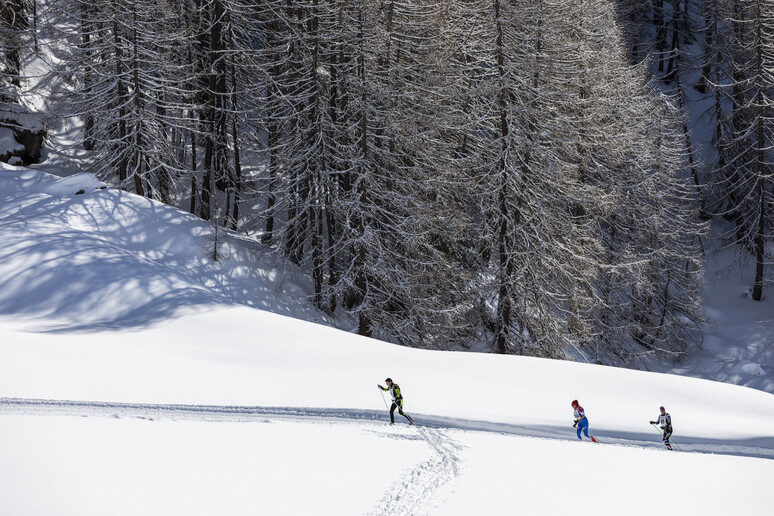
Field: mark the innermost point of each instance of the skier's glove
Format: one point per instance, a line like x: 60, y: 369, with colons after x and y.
x: 652, y: 422
x: 575, y: 424
x: 382, y: 388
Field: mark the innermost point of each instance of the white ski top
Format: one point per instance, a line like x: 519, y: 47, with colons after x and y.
x: 664, y: 420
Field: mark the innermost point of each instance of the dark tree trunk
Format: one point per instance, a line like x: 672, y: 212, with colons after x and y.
x: 88, y: 123
x: 273, y: 130
x: 711, y: 34
x: 504, y: 297
x: 163, y: 175
x: 212, y: 155
x: 361, y: 282
x: 760, y: 240
x: 761, y: 145
x: 138, y: 158
x: 268, y: 234
x: 317, y: 190
x: 35, y: 25
x: 235, y: 138
x: 194, y: 189
x: 123, y: 165
x: 689, y: 149
x: 658, y: 22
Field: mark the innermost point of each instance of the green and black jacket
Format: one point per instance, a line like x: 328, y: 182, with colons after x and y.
x: 395, y: 393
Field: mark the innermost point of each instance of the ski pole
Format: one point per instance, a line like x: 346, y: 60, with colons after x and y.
x: 384, y: 400
x: 670, y: 437
x: 657, y: 429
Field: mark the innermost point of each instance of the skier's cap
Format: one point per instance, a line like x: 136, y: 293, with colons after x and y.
x: 574, y: 402
x: 388, y: 380
x: 661, y: 408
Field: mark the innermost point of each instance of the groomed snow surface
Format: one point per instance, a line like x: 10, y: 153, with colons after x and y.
x: 136, y: 377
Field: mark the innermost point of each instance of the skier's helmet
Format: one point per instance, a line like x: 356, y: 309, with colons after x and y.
x: 574, y: 403
x: 662, y: 409
x: 388, y: 380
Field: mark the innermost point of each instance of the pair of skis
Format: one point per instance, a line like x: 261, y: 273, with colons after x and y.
x: 674, y: 446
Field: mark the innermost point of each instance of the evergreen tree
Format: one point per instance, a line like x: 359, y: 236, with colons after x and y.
x: 128, y: 89
x: 745, y: 163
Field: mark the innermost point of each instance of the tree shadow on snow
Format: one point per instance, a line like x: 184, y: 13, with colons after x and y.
x: 108, y: 260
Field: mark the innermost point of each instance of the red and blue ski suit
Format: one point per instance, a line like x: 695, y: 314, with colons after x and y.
x: 581, y: 422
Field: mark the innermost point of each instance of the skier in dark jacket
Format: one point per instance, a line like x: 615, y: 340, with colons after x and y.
x: 664, y: 421
x: 397, y: 401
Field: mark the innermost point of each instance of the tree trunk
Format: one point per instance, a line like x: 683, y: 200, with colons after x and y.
x: 273, y: 137
x: 194, y: 189
x: 138, y: 157
x: 35, y: 25
x: 88, y: 124
x: 361, y: 282
x: 658, y: 22
x: 760, y: 240
x: 235, y: 138
x: 504, y: 297
x: 121, y: 90
x: 316, y: 190
x: 760, y: 235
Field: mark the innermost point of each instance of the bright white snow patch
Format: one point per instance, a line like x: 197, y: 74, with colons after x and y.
x: 263, y: 384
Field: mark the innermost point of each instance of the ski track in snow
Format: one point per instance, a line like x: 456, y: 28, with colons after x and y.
x: 433, y: 429
x: 416, y: 488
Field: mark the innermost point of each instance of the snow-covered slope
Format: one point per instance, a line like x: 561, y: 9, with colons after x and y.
x: 248, y: 357
x: 109, y: 259
x: 285, y: 415
x: 161, y: 390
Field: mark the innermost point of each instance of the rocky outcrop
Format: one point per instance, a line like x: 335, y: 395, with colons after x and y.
x: 21, y: 134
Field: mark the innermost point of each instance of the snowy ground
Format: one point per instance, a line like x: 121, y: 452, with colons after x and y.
x: 117, y: 465
x: 739, y: 338
x: 139, y: 377
x: 280, y: 416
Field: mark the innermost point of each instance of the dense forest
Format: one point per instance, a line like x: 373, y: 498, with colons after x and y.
x: 519, y: 173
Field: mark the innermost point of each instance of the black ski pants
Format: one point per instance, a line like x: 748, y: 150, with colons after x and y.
x: 398, y: 404
x: 667, y: 435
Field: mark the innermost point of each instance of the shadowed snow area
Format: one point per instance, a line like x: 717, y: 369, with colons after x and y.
x: 739, y: 340
x: 106, y: 259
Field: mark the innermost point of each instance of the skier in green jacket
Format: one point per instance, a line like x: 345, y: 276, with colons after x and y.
x: 397, y: 401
